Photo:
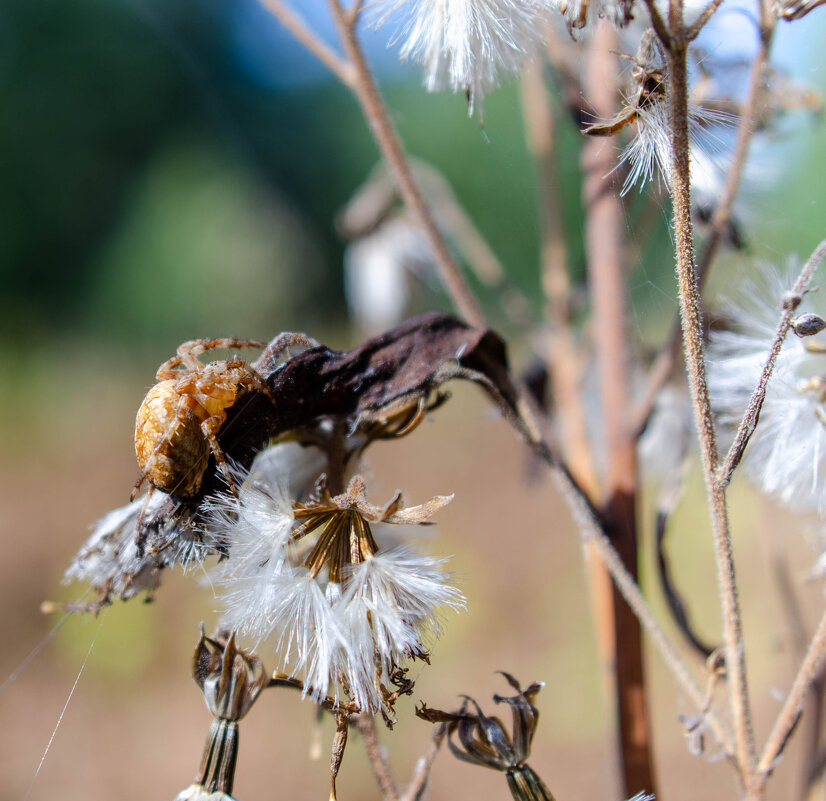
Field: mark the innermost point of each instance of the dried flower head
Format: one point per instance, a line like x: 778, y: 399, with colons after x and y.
x: 468, y: 45
x: 484, y: 741
x: 231, y: 681
x: 343, y: 608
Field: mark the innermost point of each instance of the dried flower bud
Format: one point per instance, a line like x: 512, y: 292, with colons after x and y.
x: 807, y: 325
x: 230, y: 679
x: 484, y: 741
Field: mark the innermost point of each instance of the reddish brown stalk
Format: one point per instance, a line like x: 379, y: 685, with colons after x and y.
x: 605, y: 242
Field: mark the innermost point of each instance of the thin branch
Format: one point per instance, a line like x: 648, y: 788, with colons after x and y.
x: 689, y: 293
x: 752, y: 414
x: 592, y: 532
x: 367, y: 93
x: 366, y: 725
x: 793, y: 706
x: 694, y: 29
x: 421, y: 775
x: 355, y: 10
x: 298, y: 28
x: 809, y: 737
x: 658, y: 24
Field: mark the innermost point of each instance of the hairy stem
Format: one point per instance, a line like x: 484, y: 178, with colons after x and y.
x: 689, y: 293
x: 663, y: 365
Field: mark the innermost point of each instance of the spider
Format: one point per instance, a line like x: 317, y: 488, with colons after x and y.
x: 180, y: 417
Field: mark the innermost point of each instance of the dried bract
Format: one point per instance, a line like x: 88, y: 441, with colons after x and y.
x: 229, y: 678
x: 484, y: 741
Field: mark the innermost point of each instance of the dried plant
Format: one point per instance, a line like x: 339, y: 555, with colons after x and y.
x: 255, y: 467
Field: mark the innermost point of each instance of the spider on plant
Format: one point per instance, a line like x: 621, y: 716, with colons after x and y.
x: 180, y: 417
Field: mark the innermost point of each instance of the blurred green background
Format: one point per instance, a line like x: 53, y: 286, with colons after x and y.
x: 171, y: 169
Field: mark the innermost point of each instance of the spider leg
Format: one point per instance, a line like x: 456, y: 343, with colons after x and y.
x: 251, y: 377
x: 196, y: 347
x: 188, y: 353
x: 268, y: 360
x: 210, y: 428
x: 137, y: 486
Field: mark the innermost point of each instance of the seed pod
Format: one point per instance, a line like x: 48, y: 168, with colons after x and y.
x: 807, y: 325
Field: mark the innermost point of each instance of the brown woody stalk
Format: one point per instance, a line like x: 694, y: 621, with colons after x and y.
x: 605, y: 240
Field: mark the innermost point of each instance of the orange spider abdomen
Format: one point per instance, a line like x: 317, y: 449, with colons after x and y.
x: 171, y: 448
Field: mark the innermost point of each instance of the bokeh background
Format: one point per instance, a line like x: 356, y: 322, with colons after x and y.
x: 172, y: 169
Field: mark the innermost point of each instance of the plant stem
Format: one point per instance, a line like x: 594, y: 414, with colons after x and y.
x: 366, y: 725
x: 605, y: 241
x: 663, y: 365
x: 789, y: 715
x: 375, y: 112
x: 689, y: 293
x: 298, y: 28
x: 421, y: 775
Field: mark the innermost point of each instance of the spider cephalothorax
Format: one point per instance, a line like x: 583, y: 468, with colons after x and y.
x: 179, y: 419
